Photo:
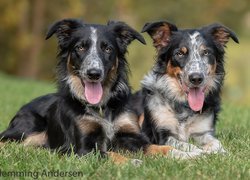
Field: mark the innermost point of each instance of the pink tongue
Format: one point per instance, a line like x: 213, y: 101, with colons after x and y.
x: 93, y: 92
x: 196, y: 98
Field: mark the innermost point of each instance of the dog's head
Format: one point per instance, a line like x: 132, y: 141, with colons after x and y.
x: 192, y: 59
x: 90, y: 56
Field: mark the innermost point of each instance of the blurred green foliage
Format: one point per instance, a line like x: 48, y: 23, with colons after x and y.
x: 25, y: 53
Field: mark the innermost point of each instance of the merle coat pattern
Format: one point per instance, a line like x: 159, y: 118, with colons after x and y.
x: 182, y: 91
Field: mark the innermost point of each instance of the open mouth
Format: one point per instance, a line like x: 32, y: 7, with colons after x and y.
x: 195, y: 96
x: 93, y: 91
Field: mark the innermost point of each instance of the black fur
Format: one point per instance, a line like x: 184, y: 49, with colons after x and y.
x: 61, y: 115
x: 29, y: 119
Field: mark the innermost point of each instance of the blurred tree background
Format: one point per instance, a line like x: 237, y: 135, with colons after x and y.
x: 23, y: 25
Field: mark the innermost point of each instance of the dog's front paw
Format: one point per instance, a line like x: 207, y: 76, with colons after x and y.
x: 217, y: 151
x: 183, y: 146
x: 178, y: 154
x: 214, y: 148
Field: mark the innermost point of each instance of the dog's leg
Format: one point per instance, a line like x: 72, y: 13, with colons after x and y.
x: 178, y: 154
x: 183, y: 146
x: 120, y: 160
x: 157, y: 149
x: 137, y: 142
x: 94, y: 136
x: 151, y: 149
x: 36, y: 139
x: 129, y: 137
x: 170, y: 152
x: 209, y: 143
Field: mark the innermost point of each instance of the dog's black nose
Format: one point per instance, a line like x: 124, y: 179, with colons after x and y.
x: 94, y: 74
x: 196, y: 78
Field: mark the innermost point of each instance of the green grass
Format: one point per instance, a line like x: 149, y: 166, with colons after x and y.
x: 232, y: 130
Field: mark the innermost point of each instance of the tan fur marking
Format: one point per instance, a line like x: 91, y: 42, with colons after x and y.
x: 112, y: 74
x: 184, y: 50
x: 127, y: 122
x: 212, y: 68
x: 76, y: 86
x: 69, y: 65
x: 127, y: 128
x: 164, y: 117
x: 211, y: 84
x: 36, y: 139
x: 117, y: 158
x: 141, y: 119
x: 222, y: 36
x: 88, y: 125
x: 161, y: 37
x: 173, y: 71
x: 114, y: 68
x: 203, y: 47
x: 157, y: 149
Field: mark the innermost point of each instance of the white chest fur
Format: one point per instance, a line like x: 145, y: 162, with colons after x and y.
x: 164, y: 117
x: 196, y: 124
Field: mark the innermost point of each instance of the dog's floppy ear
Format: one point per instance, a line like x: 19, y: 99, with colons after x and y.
x: 221, y: 34
x: 124, y: 33
x: 63, y: 29
x: 160, y: 32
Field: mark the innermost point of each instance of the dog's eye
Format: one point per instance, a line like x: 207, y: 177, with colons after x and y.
x: 108, y: 50
x: 81, y: 48
x: 206, y: 52
x: 179, y: 54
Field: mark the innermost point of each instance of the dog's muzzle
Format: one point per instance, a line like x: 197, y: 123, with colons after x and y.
x: 194, y: 84
x: 92, y: 77
x: 195, y: 73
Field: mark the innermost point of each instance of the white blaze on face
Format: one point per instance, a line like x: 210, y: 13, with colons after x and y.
x: 93, y: 61
x: 193, y: 38
x: 195, y: 64
x: 93, y: 89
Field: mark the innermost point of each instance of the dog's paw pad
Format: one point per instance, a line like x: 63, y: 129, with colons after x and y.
x: 136, y: 162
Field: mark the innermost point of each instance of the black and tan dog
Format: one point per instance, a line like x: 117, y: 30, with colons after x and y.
x: 182, y: 91
x: 90, y: 110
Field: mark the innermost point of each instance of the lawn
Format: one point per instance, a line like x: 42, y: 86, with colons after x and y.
x: 232, y: 130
